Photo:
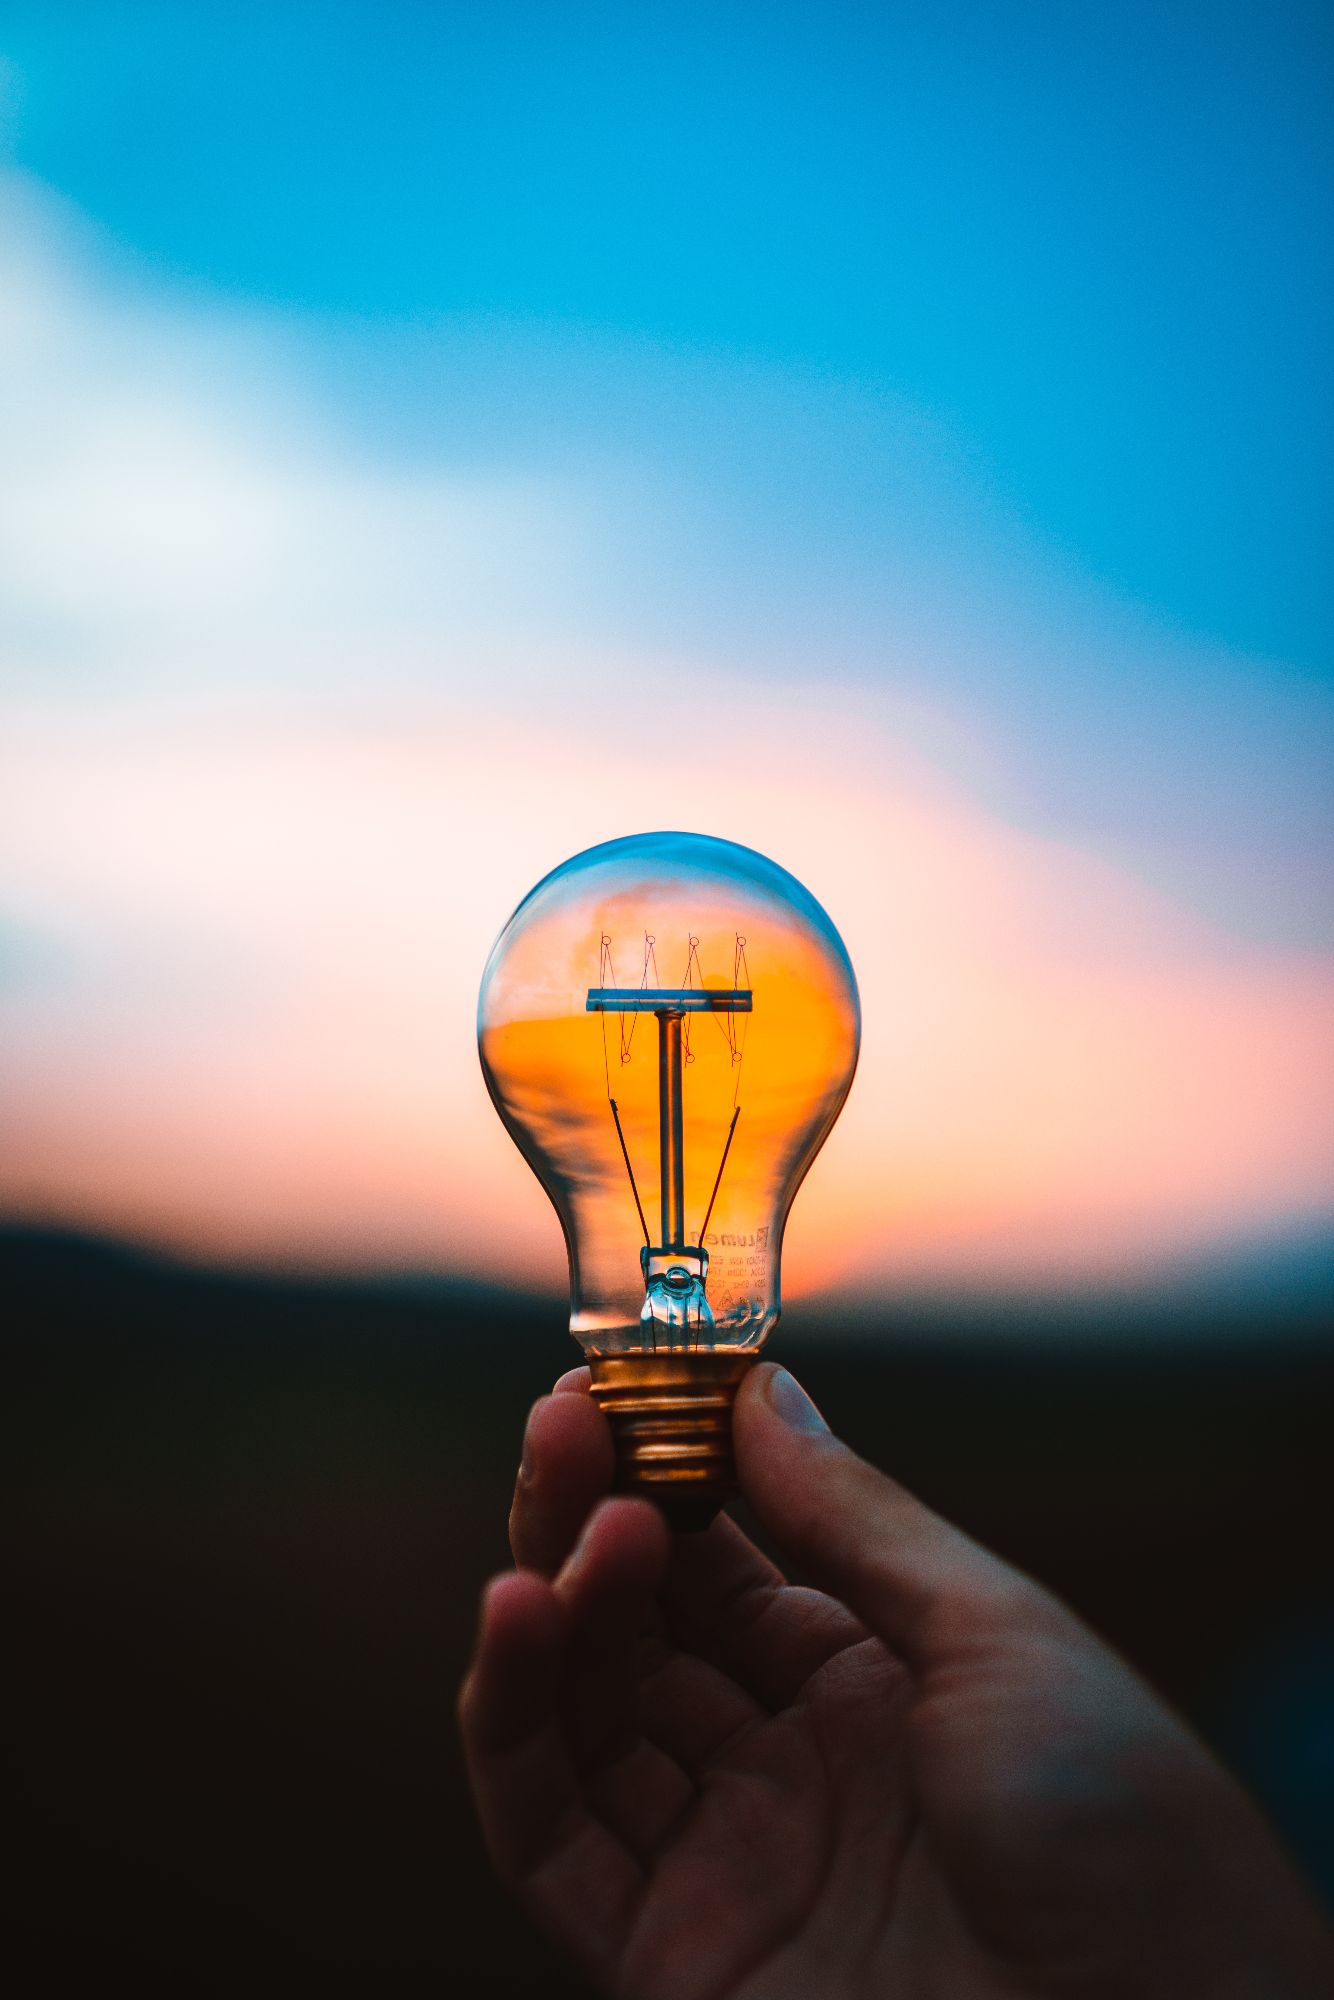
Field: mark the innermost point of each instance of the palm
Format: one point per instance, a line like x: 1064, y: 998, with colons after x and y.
x: 801, y: 1834
x: 798, y: 1816
x: 762, y: 1831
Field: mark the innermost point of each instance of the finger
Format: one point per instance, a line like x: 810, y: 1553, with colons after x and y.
x: 728, y: 1602
x: 635, y: 1681
x: 642, y: 1714
x: 724, y: 1599
x: 566, y: 1469
x: 574, y: 1382
x: 607, y: 1586
x: 917, y: 1582
x: 607, y: 1590
x: 574, y: 1874
x: 687, y: 1706
x: 694, y: 1712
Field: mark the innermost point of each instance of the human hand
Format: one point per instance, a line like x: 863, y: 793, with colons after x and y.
x: 708, y: 1784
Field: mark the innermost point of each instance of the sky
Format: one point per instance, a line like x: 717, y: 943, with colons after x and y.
x: 434, y: 440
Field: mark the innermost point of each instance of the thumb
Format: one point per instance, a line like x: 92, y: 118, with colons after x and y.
x: 922, y: 1585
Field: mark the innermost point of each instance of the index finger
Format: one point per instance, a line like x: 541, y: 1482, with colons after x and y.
x: 567, y: 1468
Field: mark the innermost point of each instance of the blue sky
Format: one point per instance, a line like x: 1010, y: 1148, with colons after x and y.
x: 1093, y: 243
x: 1006, y: 321
x: 927, y: 406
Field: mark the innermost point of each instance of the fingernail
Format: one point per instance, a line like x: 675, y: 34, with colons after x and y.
x: 793, y: 1405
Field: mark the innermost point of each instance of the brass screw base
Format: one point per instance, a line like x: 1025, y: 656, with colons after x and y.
x: 671, y: 1422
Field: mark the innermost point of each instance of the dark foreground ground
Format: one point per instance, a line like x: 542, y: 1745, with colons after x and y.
x: 252, y: 1517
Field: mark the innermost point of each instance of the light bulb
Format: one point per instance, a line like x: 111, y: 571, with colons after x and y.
x: 668, y: 1027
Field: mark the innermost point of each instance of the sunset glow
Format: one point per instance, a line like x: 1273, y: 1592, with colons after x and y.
x: 253, y: 1034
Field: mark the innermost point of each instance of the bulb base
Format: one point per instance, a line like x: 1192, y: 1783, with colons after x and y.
x: 671, y: 1423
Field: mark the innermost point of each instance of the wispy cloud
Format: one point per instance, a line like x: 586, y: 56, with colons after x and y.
x: 174, y: 517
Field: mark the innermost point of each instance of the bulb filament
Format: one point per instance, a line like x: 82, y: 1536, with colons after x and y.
x: 675, y: 1272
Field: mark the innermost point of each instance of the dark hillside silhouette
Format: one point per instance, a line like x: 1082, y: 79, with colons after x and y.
x: 250, y: 1516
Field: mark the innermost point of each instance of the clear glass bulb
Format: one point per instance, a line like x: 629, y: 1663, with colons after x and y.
x: 668, y: 1027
